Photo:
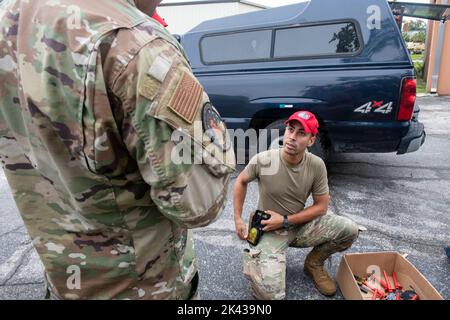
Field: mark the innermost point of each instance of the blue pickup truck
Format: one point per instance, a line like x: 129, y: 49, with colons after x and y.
x: 344, y: 60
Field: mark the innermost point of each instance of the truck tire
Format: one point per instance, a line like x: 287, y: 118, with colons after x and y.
x: 319, y: 148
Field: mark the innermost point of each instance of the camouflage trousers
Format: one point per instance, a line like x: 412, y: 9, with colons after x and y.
x: 265, y: 263
x: 190, y: 292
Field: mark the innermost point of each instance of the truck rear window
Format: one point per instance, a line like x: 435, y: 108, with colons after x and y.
x: 242, y: 46
x: 331, y: 39
x: 319, y: 40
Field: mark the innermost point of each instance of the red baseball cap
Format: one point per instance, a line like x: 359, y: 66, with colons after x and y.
x: 307, y: 119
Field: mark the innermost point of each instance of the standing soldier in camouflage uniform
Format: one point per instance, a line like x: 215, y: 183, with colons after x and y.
x: 91, y: 94
x: 286, y: 178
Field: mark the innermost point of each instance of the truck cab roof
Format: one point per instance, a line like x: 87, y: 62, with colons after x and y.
x: 379, y: 38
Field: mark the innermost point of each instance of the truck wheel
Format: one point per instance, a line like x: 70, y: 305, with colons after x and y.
x: 319, y: 148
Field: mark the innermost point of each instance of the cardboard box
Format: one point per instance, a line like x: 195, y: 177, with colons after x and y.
x: 362, y: 263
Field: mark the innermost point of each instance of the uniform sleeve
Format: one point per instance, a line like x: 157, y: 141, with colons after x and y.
x: 252, y: 168
x: 320, y: 183
x: 175, y: 135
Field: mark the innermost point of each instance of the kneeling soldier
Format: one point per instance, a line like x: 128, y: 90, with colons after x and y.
x: 286, y: 178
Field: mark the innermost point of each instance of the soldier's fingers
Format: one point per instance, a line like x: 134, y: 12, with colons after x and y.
x: 242, y: 233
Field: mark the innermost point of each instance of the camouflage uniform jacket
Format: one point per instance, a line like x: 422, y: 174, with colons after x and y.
x: 90, y: 95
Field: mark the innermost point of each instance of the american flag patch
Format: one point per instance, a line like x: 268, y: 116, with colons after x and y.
x: 186, y: 98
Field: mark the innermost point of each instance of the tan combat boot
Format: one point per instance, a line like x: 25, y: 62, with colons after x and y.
x: 314, y: 268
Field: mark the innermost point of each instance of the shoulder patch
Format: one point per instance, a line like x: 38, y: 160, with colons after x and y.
x: 214, y: 127
x: 155, y: 76
x: 149, y: 88
x: 186, y: 98
x: 159, y: 68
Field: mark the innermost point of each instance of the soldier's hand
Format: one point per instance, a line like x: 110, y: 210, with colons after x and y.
x: 275, y: 222
x: 241, y: 228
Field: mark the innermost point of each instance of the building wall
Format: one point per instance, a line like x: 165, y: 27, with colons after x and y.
x: 183, y: 18
x: 443, y: 86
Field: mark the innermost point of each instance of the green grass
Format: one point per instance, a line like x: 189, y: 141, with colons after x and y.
x: 421, y: 86
x: 417, y: 56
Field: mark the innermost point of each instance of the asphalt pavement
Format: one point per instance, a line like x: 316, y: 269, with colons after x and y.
x: 403, y: 201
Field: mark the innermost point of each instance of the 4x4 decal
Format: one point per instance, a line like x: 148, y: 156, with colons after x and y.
x: 375, y: 106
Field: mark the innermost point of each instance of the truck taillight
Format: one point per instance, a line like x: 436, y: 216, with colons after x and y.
x: 407, y: 99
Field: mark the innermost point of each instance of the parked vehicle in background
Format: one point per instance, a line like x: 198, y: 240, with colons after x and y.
x: 416, y: 47
x: 344, y: 60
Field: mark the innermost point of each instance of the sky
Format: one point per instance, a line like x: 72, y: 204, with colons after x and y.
x: 277, y: 3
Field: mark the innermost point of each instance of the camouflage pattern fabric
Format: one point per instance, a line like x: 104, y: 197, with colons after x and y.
x: 265, y: 263
x: 85, y: 144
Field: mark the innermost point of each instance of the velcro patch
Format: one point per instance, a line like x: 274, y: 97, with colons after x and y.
x: 159, y: 68
x: 149, y: 88
x: 186, y: 98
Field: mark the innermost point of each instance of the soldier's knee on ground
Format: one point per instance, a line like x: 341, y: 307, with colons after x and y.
x: 266, y: 273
